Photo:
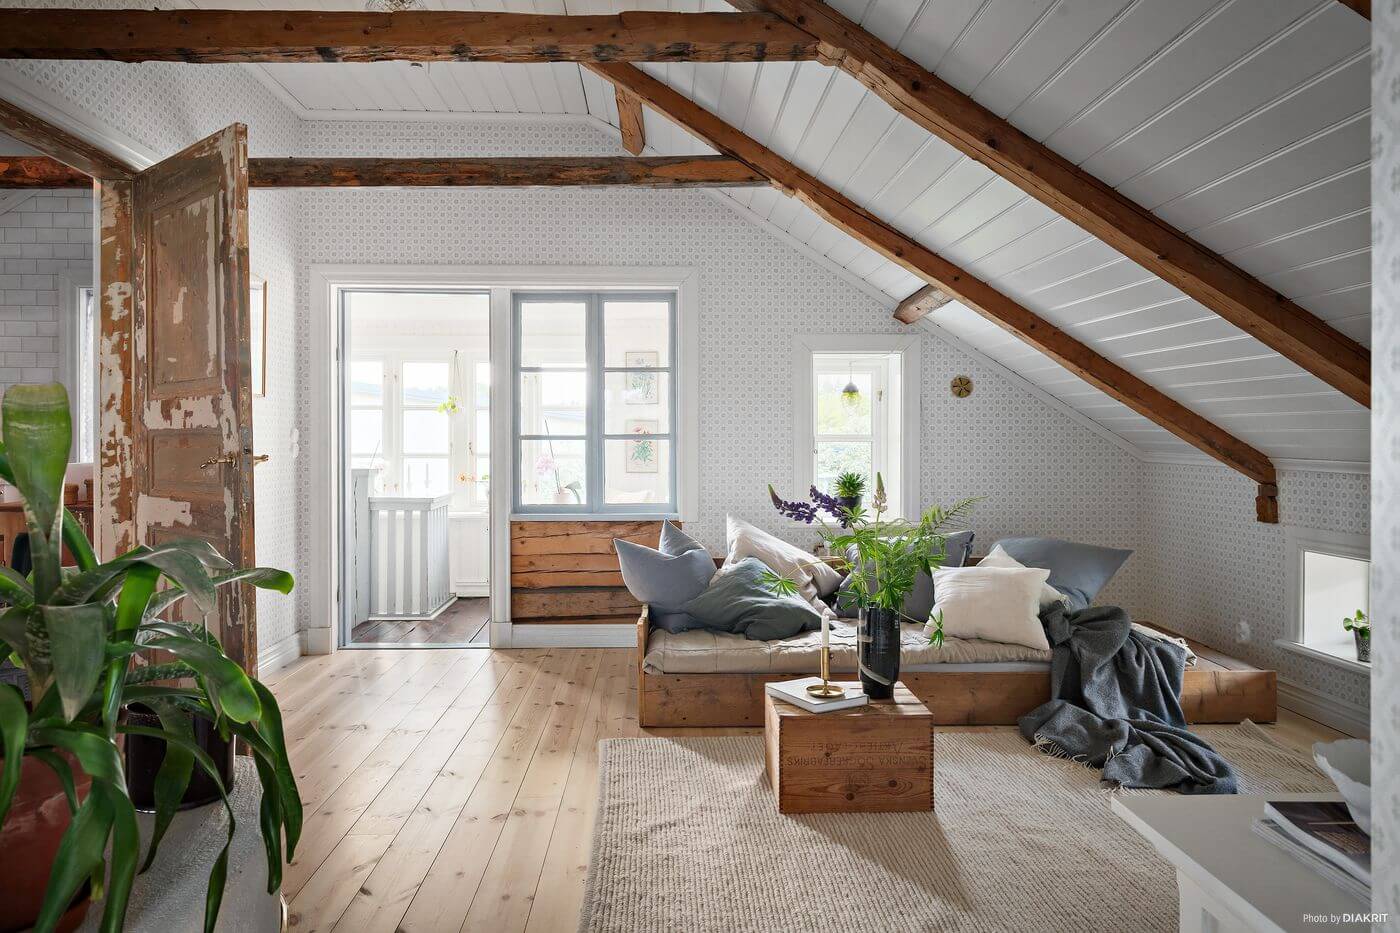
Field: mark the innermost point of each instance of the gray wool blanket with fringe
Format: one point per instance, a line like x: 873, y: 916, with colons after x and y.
x: 1115, y: 705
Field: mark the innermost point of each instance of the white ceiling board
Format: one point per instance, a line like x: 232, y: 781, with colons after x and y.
x: 1243, y: 123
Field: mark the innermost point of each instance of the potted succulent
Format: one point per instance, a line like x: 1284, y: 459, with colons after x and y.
x: 1360, y: 627
x: 884, y: 557
x: 66, y: 817
x: 850, y: 489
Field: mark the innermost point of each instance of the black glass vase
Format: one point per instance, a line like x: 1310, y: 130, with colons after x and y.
x: 879, y: 651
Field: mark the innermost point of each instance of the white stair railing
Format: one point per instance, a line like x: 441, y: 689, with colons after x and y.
x: 409, y: 565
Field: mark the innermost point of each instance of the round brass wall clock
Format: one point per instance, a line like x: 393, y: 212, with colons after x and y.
x: 961, y: 386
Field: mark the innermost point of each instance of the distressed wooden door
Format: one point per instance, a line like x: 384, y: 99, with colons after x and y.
x: 191, y: 456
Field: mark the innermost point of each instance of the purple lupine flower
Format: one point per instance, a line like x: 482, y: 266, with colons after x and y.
x: 798, y: 511
x: 829, y: 504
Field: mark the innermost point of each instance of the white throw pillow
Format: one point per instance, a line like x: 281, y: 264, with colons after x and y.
x: 992, y: 603
x: 814, y: 578
x: 999, y: 558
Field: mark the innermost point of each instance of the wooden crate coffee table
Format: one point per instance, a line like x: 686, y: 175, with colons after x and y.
x: 870, y: 759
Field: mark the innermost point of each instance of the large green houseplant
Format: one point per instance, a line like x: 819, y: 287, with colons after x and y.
x: 73, y: 630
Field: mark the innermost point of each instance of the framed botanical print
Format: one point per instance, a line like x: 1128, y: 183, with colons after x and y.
x: 641, y: 386
x: 257, y: 334
x: 641, y: 448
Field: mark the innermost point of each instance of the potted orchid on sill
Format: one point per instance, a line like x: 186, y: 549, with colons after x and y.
x: 884, y: 556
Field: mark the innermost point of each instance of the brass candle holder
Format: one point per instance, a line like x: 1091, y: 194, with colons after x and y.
x: 826, y: 690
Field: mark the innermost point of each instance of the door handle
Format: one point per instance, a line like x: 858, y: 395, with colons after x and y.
x: 232, y: 458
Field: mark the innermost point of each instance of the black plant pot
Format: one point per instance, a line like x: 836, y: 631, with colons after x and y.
x: 144, y: 755
x: 879, y: 651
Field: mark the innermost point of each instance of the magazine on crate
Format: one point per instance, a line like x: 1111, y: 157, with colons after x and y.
x: 795, y: 692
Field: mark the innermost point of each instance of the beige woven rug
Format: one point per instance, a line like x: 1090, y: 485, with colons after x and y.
x: 688, y: 839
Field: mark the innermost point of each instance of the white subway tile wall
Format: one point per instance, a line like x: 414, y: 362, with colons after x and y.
x: 40, y: 237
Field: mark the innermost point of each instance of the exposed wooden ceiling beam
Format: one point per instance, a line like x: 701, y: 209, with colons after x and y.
x: 39, y: 172
x: 306, y: 36
x: 629, y: 121
x: 1002, y: 310
x: 924, y: 301
x: 979, y: 134
x: 60, y: 144
x: 650, y: 172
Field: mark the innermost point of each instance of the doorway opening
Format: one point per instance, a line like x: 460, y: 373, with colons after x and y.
x: 416, y: 455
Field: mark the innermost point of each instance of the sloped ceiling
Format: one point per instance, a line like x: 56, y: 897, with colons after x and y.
x: 1244, y: 123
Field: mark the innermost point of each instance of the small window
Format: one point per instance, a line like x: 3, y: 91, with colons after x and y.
x: 595, y: 402
x: 85, y: 355
x: 852, y: 418
x: 1331, y: 583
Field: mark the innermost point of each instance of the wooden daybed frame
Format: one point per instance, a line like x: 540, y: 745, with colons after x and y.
x: 1216, y: 689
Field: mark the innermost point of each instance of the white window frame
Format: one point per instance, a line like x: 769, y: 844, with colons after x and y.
x: 906, y: 482
x: 463, y: 440
x: 595, y: 437
x: 1298, y: 541
x: 72, y: 283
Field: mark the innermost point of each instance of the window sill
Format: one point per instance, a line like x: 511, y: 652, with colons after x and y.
x: 594, y: 516
x: 1317, y: 654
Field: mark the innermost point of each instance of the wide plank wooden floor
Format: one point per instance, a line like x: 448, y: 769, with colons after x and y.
x: 462, y: 623
x: 451, y: 790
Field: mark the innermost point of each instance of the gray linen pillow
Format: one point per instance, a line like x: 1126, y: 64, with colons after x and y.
x: 738, y: 601
x: 1077, y: 570
x: 666, y: 578
x: 919, y: 603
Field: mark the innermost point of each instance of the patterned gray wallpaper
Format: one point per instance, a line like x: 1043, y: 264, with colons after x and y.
x: 1215, y: 573
x: 1042, y: 472
x: 1385, y: 456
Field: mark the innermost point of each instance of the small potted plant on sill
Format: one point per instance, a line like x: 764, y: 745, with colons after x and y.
x: 67, y: 822
x: 884, y: 557
x: 1360, y: 627
x: 850, y: 489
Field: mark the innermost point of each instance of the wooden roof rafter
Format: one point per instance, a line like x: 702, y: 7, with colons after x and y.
x: 952, y: 280
x: 505, y: 172
x: 39, y: 172
x: 1137, y: 233
x: 225, y: 36
x: 62, y: 145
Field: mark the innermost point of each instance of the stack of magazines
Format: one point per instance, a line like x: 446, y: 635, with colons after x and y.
x: 1323, y: 836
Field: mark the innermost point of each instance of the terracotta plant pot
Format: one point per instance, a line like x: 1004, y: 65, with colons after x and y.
x: 29, y: 840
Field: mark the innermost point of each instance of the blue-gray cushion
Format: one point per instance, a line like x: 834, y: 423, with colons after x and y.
x: 1079, y: 571
x: 668, y: 577
x: 737, y: 600
x: 919, y: 603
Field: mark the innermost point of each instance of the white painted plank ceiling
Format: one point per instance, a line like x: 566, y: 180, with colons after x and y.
x: 1244, y: 123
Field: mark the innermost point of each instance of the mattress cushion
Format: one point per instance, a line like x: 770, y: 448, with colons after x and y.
x: 705, y: 652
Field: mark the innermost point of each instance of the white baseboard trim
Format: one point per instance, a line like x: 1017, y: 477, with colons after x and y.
x: 471, y: 590
x: 613, y: 635
x: 319, y: 640
x: 1330, y: 711
x: 276, y: 656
